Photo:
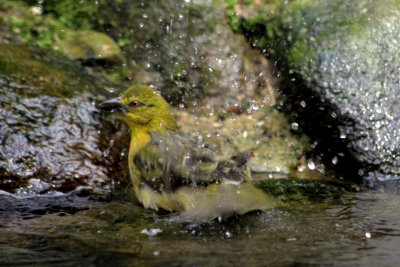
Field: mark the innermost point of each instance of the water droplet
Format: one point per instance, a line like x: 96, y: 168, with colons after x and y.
x: 151, y: 232
x: 111, y: 90
x: 303, y: 103
x: 245, y: 134
x: 253, y: 106
x: 368, y: 235
x: 335, y: 160
x: 295, y: 126
x: 106, y: 152
x: 301, y: 168
x: 320, y: 168
x: 311, y: 164
x: 156, y: 253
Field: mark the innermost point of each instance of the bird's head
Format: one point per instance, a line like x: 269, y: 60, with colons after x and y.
x: 142, y: 109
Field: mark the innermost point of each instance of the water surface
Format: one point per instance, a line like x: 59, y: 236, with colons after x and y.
x: 356, y: 229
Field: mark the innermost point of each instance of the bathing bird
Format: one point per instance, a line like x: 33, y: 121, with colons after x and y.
x: 173, y: 172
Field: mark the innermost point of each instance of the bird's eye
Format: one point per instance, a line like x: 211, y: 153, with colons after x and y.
x: 134, y: 104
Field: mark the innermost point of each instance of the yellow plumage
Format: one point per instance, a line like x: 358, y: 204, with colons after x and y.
x: 172, y: 172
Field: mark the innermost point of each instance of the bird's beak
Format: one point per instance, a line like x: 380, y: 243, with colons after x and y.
x: 113, y: 105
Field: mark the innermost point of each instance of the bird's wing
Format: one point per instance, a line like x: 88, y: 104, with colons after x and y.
x: 171, y: 160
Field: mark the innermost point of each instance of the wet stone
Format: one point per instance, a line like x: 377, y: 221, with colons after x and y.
x: 91, y: 48
x: 342, y: 76
x: 50, y: 131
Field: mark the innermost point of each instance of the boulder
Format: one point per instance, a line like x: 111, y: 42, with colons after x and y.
x: 340, y: 67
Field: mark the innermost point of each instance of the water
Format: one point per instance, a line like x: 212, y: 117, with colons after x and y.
x: 356, y: 229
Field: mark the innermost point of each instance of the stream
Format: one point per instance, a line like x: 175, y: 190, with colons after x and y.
x: 356, y: 229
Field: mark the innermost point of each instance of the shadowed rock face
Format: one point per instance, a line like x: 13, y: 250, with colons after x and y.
x: 49, y: 127
x: 344, y: 75
x: 42, y: 137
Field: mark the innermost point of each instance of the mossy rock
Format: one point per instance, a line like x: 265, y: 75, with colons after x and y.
x: 91, y: 47
x: 338, y: 60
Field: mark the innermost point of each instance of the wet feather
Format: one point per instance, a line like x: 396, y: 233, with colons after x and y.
x: 171, y: 171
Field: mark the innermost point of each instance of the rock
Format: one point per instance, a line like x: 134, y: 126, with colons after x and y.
x: 342, y: 76
x: 274, y: 149
x: 50, y: 134
x: 91, y: 47
x: 187, y: 50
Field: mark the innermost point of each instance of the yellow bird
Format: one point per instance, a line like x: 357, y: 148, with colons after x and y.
x: 170, y: 171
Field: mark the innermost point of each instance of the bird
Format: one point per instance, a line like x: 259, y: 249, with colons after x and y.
x: 173, y: 172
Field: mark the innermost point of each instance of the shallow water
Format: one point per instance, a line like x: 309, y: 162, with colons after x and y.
x: 357, y: 229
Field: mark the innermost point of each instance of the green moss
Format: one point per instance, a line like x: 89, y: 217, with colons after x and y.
x: 247, y: 15
x: 48, y: 75
x: 284, y: 27
x: 80, y: 14
x: 30, y: 26
x: 178, y: 70
x: 87, y: 45
x: 209, y: 76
